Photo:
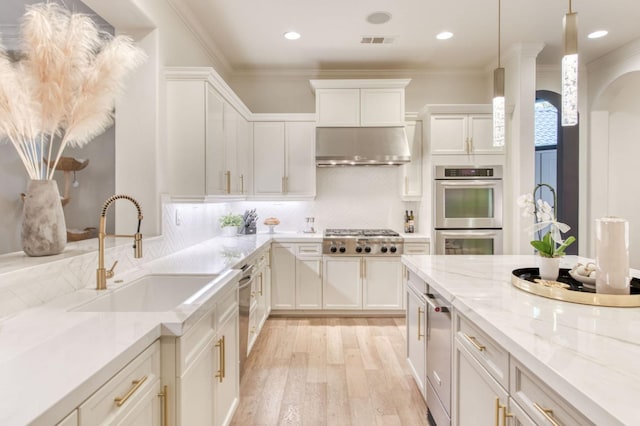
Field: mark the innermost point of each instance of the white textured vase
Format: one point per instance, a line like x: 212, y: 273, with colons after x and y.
x: 549, y: 267
x: 612, y: 256
x: 44, y: 232
x: 230, y: 231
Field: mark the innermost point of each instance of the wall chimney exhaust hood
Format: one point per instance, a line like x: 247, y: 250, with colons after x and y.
x: 361, y: 146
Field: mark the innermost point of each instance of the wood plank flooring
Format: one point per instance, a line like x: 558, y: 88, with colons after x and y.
x: 330, y: 371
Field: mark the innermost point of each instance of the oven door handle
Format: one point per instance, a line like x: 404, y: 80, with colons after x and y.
x: 467, y: 234
x: 469, y: 183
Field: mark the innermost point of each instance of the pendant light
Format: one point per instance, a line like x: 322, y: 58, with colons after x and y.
x: 498, y: 97
x: 570, y: 69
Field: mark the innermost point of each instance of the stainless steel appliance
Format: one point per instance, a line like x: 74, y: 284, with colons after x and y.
x: 439, y: 344
x: 244, y: 305
x: 468, y: 210
x: 359, y: 242
x: 361, y: 146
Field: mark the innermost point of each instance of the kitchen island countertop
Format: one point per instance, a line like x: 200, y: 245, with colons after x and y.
x: 587, y: 354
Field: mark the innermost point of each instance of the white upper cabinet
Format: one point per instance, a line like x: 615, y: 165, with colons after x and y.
x: 359, y: 103
x: 411, y: 173
x: 284, y: 155
x: 208, y: 138
x: 462, y: 134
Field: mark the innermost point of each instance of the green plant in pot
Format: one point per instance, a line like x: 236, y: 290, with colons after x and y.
x: 230, y: 223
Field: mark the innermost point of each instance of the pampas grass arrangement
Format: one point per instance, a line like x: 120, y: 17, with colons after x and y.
x: 62, y: 90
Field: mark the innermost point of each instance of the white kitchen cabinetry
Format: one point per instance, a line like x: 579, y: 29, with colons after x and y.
x: 465, y: 134
x: 415, y: 248
x: 296, y: 276
x: 342, y: 283
x: 206, y: 137
x: 411, y: 173
x: 201, y: 367
x: 416, y: 336
x: 284, y: 159
x: 382, y: 284
x: 130, y: 397
x: 359, y: 103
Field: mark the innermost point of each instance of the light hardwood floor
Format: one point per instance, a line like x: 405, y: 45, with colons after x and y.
x: 330, y: 371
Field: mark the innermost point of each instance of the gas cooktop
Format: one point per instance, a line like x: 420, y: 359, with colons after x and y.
x: 362, y: 242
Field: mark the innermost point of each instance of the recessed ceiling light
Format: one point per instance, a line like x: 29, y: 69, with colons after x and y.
x: 598, y: 34
x: 445, y: 35
x: 379, y: 17
x: 291, y: 35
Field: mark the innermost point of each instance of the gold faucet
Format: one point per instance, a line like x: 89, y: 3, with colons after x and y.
x: 102, y: 275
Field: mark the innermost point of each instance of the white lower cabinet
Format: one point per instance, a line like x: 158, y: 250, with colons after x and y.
x: 131, y: 397
x: 415, y: 248
x: 296, y: 276
x: 416, y: 321
x: 309, y: 282
x: 283, y: 276
x: 70, y: 420
x: 342, y: 283
x: 201, y: 367
x: 260, y: 305
x: 382, y: 284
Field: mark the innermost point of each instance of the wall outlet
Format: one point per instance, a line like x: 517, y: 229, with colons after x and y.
x: 178, y: 217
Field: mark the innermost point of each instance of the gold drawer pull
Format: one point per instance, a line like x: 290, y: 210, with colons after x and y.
x: 221, y: 372
x: 420, y: 312
x: 547, y: 413
x: 165, y: 413
x: 475, y: 343
x: 136, y: 384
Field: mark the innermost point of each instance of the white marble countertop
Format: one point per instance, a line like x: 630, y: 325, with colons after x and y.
x: 52, y: 358
x: 588, y: 354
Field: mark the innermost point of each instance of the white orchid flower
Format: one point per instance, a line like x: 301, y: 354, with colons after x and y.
x: 556, y: 228
x: 526, y: 203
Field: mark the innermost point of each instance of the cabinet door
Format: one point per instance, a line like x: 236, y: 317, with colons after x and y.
x: 186, y: 116
x: 146, y: 412
x: 268, y: 150
x: 516, y: 416
x: 195, y: 393
x: 478, y: 398
x: 411, y: 173
x: 227, y: 391
x: 342, y: 283
x: 416, y: 338
x: 309, y: 283
x: 382, y: 107
x: 448, y: 134
x: 70, y: 420
x: 231, y: 176
x: 300, y: 158
x: 243, y: 179
x: 338, y: 107
x: 283, y: 276
x: 481, y: 134
x: 382, y: 283
x: 215, y: 168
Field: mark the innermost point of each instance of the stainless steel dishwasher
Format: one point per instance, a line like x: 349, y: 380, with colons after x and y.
x: 439, y: 343
x: 244, y: 305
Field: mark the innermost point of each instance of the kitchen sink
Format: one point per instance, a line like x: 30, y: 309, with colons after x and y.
x: 151, y: 293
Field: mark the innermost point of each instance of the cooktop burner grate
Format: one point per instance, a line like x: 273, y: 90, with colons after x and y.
x: 360, y: 233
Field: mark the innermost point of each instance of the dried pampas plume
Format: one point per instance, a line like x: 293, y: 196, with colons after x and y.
x: 62, y: 90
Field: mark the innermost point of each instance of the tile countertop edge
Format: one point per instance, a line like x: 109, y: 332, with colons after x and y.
x: 476, y: 308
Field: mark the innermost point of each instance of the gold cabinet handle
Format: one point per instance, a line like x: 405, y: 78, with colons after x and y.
x: 261, y: 280
x: 420, y: 312
x: 364, y: 268
x: 227, y: 175
x: 470, y: 145
x: 475, y: 343
x: 253, y: 294
x: 165, y: 414
x: 283, y: 189
x: 242, y: 184
x: 505, y: 414
x: 120, y: 400
x: 220, y: 346
x: 406, y: 185
x: 498, y: 411
x: 547, y: 413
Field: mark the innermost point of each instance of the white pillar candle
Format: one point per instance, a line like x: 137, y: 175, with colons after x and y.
x: 612, y: 256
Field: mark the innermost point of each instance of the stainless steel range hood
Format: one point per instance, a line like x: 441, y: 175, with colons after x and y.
x: 361, y: 146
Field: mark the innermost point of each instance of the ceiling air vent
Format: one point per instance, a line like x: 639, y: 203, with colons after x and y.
x: 376, y: 40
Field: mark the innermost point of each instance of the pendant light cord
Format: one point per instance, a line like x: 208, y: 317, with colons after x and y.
x: 499, y: 33
x: 570, y: 7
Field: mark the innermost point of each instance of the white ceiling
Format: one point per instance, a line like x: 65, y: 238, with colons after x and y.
x: 247, y: 34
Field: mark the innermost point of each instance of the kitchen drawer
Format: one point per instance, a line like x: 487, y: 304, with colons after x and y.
x: 418, y: 284
x: 541, y: 403
x: 490, y: 355
x: 416, y: 248
x: 127, y: 388
x: 228, y: 303
x: 192, y: 342
x: 308, y: 249
x: 70, y: 420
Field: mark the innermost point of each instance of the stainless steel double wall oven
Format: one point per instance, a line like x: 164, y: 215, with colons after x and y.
x: 468, y: 209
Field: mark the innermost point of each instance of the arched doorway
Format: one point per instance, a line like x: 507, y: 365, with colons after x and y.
x: 557, y: 164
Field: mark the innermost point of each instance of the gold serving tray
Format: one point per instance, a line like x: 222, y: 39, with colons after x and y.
x: 555, y: 290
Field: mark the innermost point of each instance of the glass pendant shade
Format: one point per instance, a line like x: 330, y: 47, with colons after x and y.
x: 498, y: 107
x: 570, y: 71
